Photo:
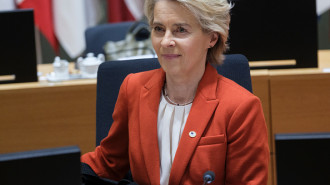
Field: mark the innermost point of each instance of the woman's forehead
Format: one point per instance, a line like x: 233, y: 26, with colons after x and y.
x: 173, y: 12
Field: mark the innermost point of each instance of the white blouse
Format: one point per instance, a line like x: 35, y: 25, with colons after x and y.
x: 171, y: 122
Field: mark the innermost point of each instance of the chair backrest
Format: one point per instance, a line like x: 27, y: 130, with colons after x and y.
x: 111, y: 75
x: 97, y: 36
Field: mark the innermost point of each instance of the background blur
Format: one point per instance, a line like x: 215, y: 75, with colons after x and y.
x: 60, y: 24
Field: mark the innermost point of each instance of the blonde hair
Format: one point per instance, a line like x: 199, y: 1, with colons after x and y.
x: 212, y: 15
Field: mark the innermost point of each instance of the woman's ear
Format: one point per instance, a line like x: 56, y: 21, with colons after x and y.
x: 214, y: 39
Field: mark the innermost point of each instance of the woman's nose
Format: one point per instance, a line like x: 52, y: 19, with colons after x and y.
x: 167, y: 40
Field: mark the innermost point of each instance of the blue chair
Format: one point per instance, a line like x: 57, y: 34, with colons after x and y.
x: 111, y: 75
x: 97, y: 36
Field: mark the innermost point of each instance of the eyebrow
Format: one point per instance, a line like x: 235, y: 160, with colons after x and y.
x: 182, y: 24
x: 176, y: 24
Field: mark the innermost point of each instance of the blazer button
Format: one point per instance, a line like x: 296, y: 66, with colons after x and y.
x: 192, y: 134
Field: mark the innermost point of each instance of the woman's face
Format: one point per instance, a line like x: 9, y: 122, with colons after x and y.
x: 179, y: 41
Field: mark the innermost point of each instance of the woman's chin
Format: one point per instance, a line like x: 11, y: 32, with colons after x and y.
x: 173, y: 71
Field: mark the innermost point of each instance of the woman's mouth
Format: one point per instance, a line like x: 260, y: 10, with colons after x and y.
x: 170, y: 56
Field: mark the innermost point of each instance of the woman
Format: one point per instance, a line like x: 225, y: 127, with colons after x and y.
x: 175, y: 123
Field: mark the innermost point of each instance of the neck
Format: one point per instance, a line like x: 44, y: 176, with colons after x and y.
x: 178, y: 100
x: 182, y: 89
x: 181, y: 93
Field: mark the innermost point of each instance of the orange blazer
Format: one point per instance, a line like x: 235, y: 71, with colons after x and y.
x: 231, y: 134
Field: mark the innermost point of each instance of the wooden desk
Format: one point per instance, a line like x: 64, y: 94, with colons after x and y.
x: 42, y: 115
x: 299, y: 101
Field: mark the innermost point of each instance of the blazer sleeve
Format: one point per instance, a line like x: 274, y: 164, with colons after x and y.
x: 110, y: 159
x: 248, y: 152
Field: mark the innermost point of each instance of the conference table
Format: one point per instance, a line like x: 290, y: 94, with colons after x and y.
x: 47, y: 114
x: 294, y: 101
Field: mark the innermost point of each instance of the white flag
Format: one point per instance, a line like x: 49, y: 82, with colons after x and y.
x: 136, y: 8
x: 7, y: 5
x: 322, y: 6
x: 71, y: 19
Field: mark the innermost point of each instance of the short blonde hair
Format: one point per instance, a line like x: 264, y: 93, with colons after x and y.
x: 212, y: 15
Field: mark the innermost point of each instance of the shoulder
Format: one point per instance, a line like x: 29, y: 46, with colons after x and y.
x: 226, y: 85
x: 136, y: 81
x: 239, y: 106
x: 215, y: 86
x: 142, y: 77
x: 231, y: 93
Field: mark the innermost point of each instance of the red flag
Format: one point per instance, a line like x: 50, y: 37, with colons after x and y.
x: 118, y: 11
x: 43, y: 18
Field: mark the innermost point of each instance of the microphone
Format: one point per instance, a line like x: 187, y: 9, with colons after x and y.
x: 208, y: 177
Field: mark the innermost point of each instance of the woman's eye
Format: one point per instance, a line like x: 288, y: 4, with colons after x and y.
x: 158, y: 28
x: 181, y: 30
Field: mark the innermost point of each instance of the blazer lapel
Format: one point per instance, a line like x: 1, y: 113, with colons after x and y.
x: 202, y: 109
x: 149, y: 103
